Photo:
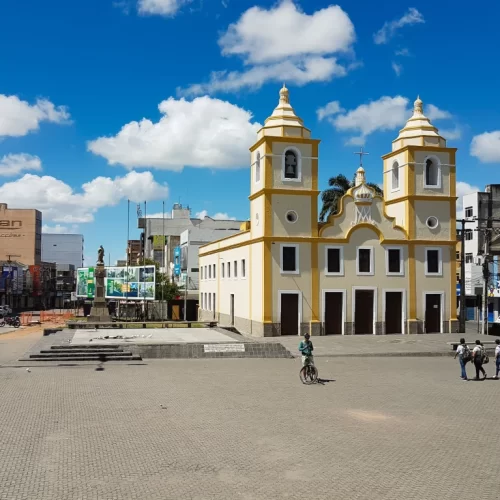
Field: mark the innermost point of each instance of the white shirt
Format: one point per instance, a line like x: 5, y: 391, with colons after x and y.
x: 477, y: 349
x: 497, y: 351
x: 460, y: 349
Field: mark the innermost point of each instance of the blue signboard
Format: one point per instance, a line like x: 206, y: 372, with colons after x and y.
x: 177, y: 261
x: 458, y: 289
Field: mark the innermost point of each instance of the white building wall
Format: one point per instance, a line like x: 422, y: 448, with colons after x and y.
x: 471, y: 246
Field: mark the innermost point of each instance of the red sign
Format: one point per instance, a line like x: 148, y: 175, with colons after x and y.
x: 35, y: 277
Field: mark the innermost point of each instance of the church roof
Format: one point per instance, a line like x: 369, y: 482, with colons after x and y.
x: 418, y: 130
x: 282, y: 116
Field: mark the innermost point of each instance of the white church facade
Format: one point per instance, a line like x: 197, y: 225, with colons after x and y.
x: 379, y: 266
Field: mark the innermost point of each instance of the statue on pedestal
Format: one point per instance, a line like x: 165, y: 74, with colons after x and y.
x: 100, y: 255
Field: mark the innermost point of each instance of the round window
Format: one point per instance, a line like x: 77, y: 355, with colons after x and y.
x: 432, y: 222
x: 291, y: 216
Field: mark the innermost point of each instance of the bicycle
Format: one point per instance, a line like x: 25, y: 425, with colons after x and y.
x: 308, y: 373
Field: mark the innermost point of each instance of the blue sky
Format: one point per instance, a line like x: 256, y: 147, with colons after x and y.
x: 103, y: 100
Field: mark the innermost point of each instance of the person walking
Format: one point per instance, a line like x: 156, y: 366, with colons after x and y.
x: 497, y: 358
x: 464, y: 356
x: 478, y: 355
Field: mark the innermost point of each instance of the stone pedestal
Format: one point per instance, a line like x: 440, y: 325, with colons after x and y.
x: 99, y: 312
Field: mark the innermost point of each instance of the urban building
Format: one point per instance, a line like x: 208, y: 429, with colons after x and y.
x: 63, y: 249
x: 65, y: 284
x: 134, y: 251
x: 482, y: 233
x: 172, y: 227
x: 20, y: 235
x: 381, y: 265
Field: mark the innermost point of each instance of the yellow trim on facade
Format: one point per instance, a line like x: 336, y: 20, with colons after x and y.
x: 410, y: 228
x: 314, y: 283
x: 267, y: 278
x: 419, y: 197
x: 267, y: 296
x: 419, y: 148
x: 264, y: 191
x: 412, y: 285
x: 290, y: 140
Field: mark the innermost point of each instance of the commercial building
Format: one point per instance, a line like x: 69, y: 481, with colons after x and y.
x: 381, y: 265
x: 65, y: 249
x: 20, y: 235
x: 134, y: 252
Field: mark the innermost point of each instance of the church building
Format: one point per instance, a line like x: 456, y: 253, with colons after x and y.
x: 381, y: 265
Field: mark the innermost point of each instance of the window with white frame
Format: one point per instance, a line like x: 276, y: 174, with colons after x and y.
x: 469, y: 258
x: 432, y: 173
x: 229, y: 269
x: 334, y: 257
x: 213, y: 303
x: 257, y: 167
x: 433, y: 261
x: 222, y: 270
x: 394, y: 261
x: 209, y: 301
x: 469, y: 212
x: 395, y: 176
x: 213, y: 270
x: 243, y: 268
x: 289, y: 259
x: 235, y: 269
x: 209, y: 272
x: 291, y: 165
x: 364, y: 261
x: 469, y: 234
x: 201, y: 272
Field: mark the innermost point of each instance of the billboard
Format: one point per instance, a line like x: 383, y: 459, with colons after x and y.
x: 184, y: 258
x: 177, y: 261
x: 138, y: 284
x: 158, y: 242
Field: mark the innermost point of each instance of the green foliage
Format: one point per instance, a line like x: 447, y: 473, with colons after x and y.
x: 339, y: 185
x: 165, y: 289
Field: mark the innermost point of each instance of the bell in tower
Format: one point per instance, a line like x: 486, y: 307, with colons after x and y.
x: 290, y: 165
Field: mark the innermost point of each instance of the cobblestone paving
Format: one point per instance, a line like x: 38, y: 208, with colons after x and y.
x: 387, y: 428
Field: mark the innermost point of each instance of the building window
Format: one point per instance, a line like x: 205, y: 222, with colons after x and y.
x: 222, y: 269
x: 291, y: 216
x: 469, y: 234
x: 395, y: 176
x: 458, y: 277
x: 469, y: 258
x: 334, y: 261
x: 364, y: 263
x: 433, y: 261
x: 201, y: 272
x: 213, y: 266
x: 432, y: 222
x: 469, y: 212
x: 257, y: 168
x: 209, y: 301
x: 229, y: 269
x: 394, y: 262
x: 194, y: 270
x: 291, y: 165
x: 432, y: 174
x: 457, y: 256
x: 213, y: 305
x: 209, y: 272
x: 202, y: 302
x: 235, y: 269
x: 243, y: 268
x: 289, y: 259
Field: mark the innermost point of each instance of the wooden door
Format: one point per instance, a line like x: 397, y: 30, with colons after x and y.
x: 363, y: 315
x: 176, y: 313
x: 289, y: 314
x: 334, y: 306
x: 393, y: 312
x: 433, y: 313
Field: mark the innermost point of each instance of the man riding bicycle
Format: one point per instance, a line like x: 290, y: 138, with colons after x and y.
x: 306, y: 348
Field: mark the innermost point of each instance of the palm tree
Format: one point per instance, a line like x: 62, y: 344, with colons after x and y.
x: 339, y: 185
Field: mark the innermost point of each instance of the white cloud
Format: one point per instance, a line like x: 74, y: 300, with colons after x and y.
x: 283, y: 43
x: 451, y: 134
x: 386, y: 113
x: 204, y: 132
x: 398, y: 68
x: 486, y: 147
x: 59, y: 229
x: 166, y: 8
x: 158, y: 215
x: 14, y: 164
x: 403, y: 52
x: 216, y: 216
x: 18, y: 118
x: 355, y: 141
x: 463, y: 188
x: 389, y: 29
x: 59, y: 203
x: 329, y: 110
x: 434, y: 113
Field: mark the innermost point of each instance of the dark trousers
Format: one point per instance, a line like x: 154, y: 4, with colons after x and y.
x: 479, y: 368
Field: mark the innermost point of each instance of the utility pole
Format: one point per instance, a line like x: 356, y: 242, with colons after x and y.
x: 187, y: 278
x: 461, y: 316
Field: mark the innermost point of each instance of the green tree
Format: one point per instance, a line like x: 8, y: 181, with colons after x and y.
x: 339, y: 185
x: 163, y: 283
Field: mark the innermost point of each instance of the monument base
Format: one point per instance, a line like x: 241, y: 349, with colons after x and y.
x: 99, y: 312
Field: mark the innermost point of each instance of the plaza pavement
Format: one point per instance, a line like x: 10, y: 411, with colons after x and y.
x: 381, y: 428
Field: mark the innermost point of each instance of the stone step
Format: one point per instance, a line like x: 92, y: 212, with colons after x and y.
x: 84, y: 346
x: 86, y: 358
x: 79, y: 355
x: 83, y: 351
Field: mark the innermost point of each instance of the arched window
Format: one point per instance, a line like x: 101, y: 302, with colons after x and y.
x: 291, y: 164
x: 257, y: 168
x: 395, y: 176
x: 432, y: 174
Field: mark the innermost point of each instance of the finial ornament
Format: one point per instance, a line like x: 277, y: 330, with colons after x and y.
x: 418, y: 105
x: 284, y: 95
